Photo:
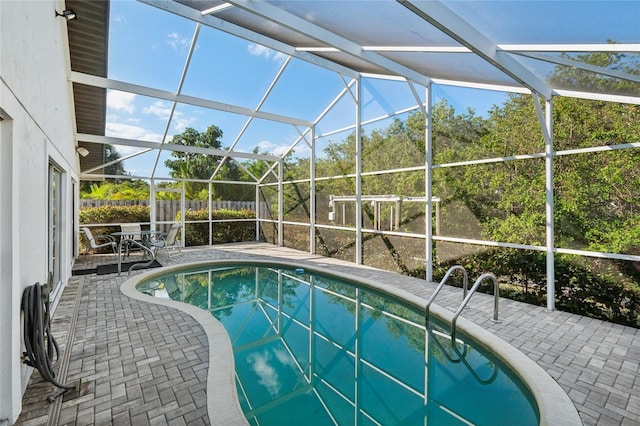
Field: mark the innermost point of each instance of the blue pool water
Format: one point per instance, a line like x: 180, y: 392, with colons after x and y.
x: 315, y: 350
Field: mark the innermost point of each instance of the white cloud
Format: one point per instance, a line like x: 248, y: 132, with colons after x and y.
x: 121, y: 101
x: 112, y: 117
x: 180, y: 124
x: 267, y: 374
x: 265, y: 145
x: 125, y: 151
x: 119, y: 19
x: 162, y: 110
x: 159, y: 109
x: 272, y: 148
x: 284, y: 357
x: 258, y: 50
x: 128, y: 131
x: 178, y: 43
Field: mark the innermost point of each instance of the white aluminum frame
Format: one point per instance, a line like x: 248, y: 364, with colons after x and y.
x: 435, y: 13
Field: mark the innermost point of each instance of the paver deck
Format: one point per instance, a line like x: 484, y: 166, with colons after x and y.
x: 140, y: 363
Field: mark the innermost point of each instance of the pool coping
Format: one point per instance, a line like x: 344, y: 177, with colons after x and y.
x: 223, y: 405
x: 554, y: 405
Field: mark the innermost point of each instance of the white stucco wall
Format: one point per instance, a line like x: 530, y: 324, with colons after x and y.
x: 37, y: 127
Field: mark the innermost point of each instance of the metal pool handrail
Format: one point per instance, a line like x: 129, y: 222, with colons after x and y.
x: 465, y: 283
x: 496, y: 297
x: 461, y: 355
x: 432, y: 335
x: 474, y: 373
x: 135, y: 265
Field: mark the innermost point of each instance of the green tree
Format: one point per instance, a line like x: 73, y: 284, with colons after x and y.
x: 115, y: 169
x: 574, y: 78
x: 189, y: 165
x: 111, y: 155
x: 257, y: 167
x: 596, y: 194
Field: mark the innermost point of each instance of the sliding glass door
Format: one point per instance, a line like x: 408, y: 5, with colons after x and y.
x: 55, y: 226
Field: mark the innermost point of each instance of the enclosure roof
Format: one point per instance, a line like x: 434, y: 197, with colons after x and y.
x: 469, y: 42
x: 516, y: 46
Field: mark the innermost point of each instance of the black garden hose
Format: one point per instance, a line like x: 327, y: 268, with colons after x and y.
x: 39, y: 343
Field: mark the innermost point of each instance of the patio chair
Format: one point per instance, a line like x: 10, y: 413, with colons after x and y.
x: 131, y: 231
x: 167, y: 241
x: 94, y: 241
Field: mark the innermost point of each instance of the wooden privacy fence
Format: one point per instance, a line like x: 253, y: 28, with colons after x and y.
x: 166, y: 210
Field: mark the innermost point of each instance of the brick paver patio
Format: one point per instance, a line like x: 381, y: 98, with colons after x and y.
x: 140, y: 363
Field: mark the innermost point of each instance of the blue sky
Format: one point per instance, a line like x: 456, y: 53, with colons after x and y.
x: 149, y: 47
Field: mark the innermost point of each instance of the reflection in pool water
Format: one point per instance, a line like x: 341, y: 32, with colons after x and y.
x: 315, y: 350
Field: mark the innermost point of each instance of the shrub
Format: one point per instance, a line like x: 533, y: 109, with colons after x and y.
x: 110, y: 214
x: 591, y: 288
x: 225, y: 232
x: 195, y: 233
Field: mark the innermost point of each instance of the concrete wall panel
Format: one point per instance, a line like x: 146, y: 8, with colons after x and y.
x: 37, y: 127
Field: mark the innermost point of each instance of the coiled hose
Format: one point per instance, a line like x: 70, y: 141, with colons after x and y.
x: 40, y: 344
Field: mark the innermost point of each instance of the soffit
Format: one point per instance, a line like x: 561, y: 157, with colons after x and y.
x: 88, y: 51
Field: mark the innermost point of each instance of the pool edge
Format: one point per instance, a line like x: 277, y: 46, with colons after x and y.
x: 225, y: 406
x: 554, y: 405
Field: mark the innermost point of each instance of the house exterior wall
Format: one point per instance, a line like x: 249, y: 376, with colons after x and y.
x: 36, y: 130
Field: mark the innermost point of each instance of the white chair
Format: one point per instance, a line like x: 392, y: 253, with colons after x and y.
x: 131, y: 231
x: 93, y: 241
x: 169, y: 240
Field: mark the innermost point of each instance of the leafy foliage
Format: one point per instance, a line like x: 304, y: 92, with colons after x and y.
x: 127, y: 190
x: 114, y: 214
x: 114, y: 167
x: 110, y: 214
x: 223, y: 232
x: 190, y: 165
x: 596, y: 195
x: 574, y: 78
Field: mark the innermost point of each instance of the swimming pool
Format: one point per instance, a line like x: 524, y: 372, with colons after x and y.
x: 312, y: 348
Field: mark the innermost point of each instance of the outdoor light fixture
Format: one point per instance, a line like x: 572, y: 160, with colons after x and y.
x: 67, y: 14
x: 82, y: 151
